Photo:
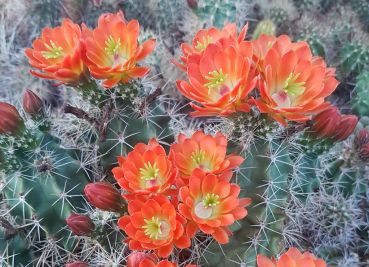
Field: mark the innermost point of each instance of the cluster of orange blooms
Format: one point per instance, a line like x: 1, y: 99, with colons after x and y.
x: 223, y: 69
x: 172, y: 196
x: 69, y: 53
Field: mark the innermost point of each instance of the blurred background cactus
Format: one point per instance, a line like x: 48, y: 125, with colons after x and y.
x: 310, y: 187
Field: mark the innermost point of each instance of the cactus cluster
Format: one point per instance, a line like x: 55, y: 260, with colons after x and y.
x: 71, y: 149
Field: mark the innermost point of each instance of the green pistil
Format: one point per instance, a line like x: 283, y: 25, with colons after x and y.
x: 149, y: 171
x: 112, y: 46
x: 53, y: 51
x: 152, y: 228
x: 200, y: 46
x: 211, y: 200
x: 293, y: 88
x: 198, y: 157
x: 215, y: 78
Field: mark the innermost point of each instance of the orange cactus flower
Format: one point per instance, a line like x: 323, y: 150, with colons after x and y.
x: 220, y: 79
x: 292, y: 258
x: 112, y: 50
x: 146, y: 169
x: 206, y: 152
x: 154, y: 224
x: 211, y: 205
x: 57, y: 54
x: 204, y: 37
x: 293, y: 84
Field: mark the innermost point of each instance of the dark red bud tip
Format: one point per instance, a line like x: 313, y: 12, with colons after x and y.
x: 80, y: 225
x: 10, y: 120
x: 104, y: 196
x: 192, y: 4
x: 135, y: 258
x: 326, y: 122
x: 77, y: 264
x: 32, y: 104
x: 362, y: 138
x: 364, y: 152
x: 346, y: 127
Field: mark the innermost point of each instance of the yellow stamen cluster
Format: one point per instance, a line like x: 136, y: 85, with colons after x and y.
x: 211, y: 200
x: 54, y: 51
x: 215, y: 78
x: 198, y: 157
x: 293, y: 88
x: 153, y: 228
x: 206, y: 40
x: 149, y: 171
x: 112, y: 46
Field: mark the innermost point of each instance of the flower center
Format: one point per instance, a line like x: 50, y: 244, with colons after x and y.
x: 217, y: 84
x: 205, y: 208
x: 112, y: 46
x: 156, y: 228
x: 198, y: 160
x: 282, y: 99
x: 198, y: 157
x: 201, y: 45
x: 211, y: 200
x: 53, y: 51
x: 149, y: 171
x: 293, y: 88
x: 215, y: 78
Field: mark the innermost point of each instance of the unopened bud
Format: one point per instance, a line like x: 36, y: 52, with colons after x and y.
x: 80, y: 225
x: 265, y: 27
x: 77, y: 264
x: 326, y: 122
x: 364, y: 152
x: 32, y: 104
x: 346, y: 127
x: 362, y: 138
x: 135, y: 258
x: 104, y: 196
x: 10, y: 120
x: 192, y: 4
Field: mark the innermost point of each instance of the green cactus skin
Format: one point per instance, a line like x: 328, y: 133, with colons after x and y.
x: 326, y: 5
x: 303, y: 4
x: 360, y: 102
x: 217, y: 12
x: 268, y: 169
x: 264, y: 27
x: 122, y: 133
x: 361, y: 7
x: 263, y: 177
x: 279, y: 16
x: 315, y: 41
x: 353, y: 59
x: 43, y: 189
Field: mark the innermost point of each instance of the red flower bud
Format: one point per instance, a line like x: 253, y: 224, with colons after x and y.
x: 32, y: 104
x: 135, y: 258
x: 346, y: 127
x: 10, y: 120
x: 362, y: 138
x: 192, y: 4
x: 80, y: 225
x: 326, y: 122
x: 364, y: 152
x: 77, y: 264
x: 104, y: 196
